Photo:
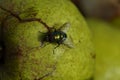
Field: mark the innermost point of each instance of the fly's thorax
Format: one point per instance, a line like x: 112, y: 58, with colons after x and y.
x: 58, y: 36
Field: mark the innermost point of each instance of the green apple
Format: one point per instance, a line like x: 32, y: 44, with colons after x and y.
x: 106, y: 41
x: 26, y: 60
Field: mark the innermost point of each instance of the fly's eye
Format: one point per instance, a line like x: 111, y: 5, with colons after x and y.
x: 57, y: 37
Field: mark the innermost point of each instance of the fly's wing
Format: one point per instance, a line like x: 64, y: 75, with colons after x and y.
x: 65, y: 27
x: 68, y: 42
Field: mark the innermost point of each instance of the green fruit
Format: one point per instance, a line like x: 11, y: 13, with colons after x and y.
x: 106, y: 40
x: 116, y: 22
x: 26, y: 60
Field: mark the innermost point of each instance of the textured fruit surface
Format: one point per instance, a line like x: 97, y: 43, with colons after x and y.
x: 26, y: 60
x: 106, y: 39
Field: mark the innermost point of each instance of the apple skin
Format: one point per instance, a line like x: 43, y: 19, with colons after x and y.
x: 26, y: 60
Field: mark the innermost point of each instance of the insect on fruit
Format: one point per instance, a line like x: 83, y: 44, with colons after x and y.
x: 58, y: 36
x: 53, y: 35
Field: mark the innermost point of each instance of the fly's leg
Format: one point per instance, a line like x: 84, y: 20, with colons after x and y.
x: 55, y: 48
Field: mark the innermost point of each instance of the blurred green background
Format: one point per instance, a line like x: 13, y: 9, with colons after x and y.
x: 103, y: 18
